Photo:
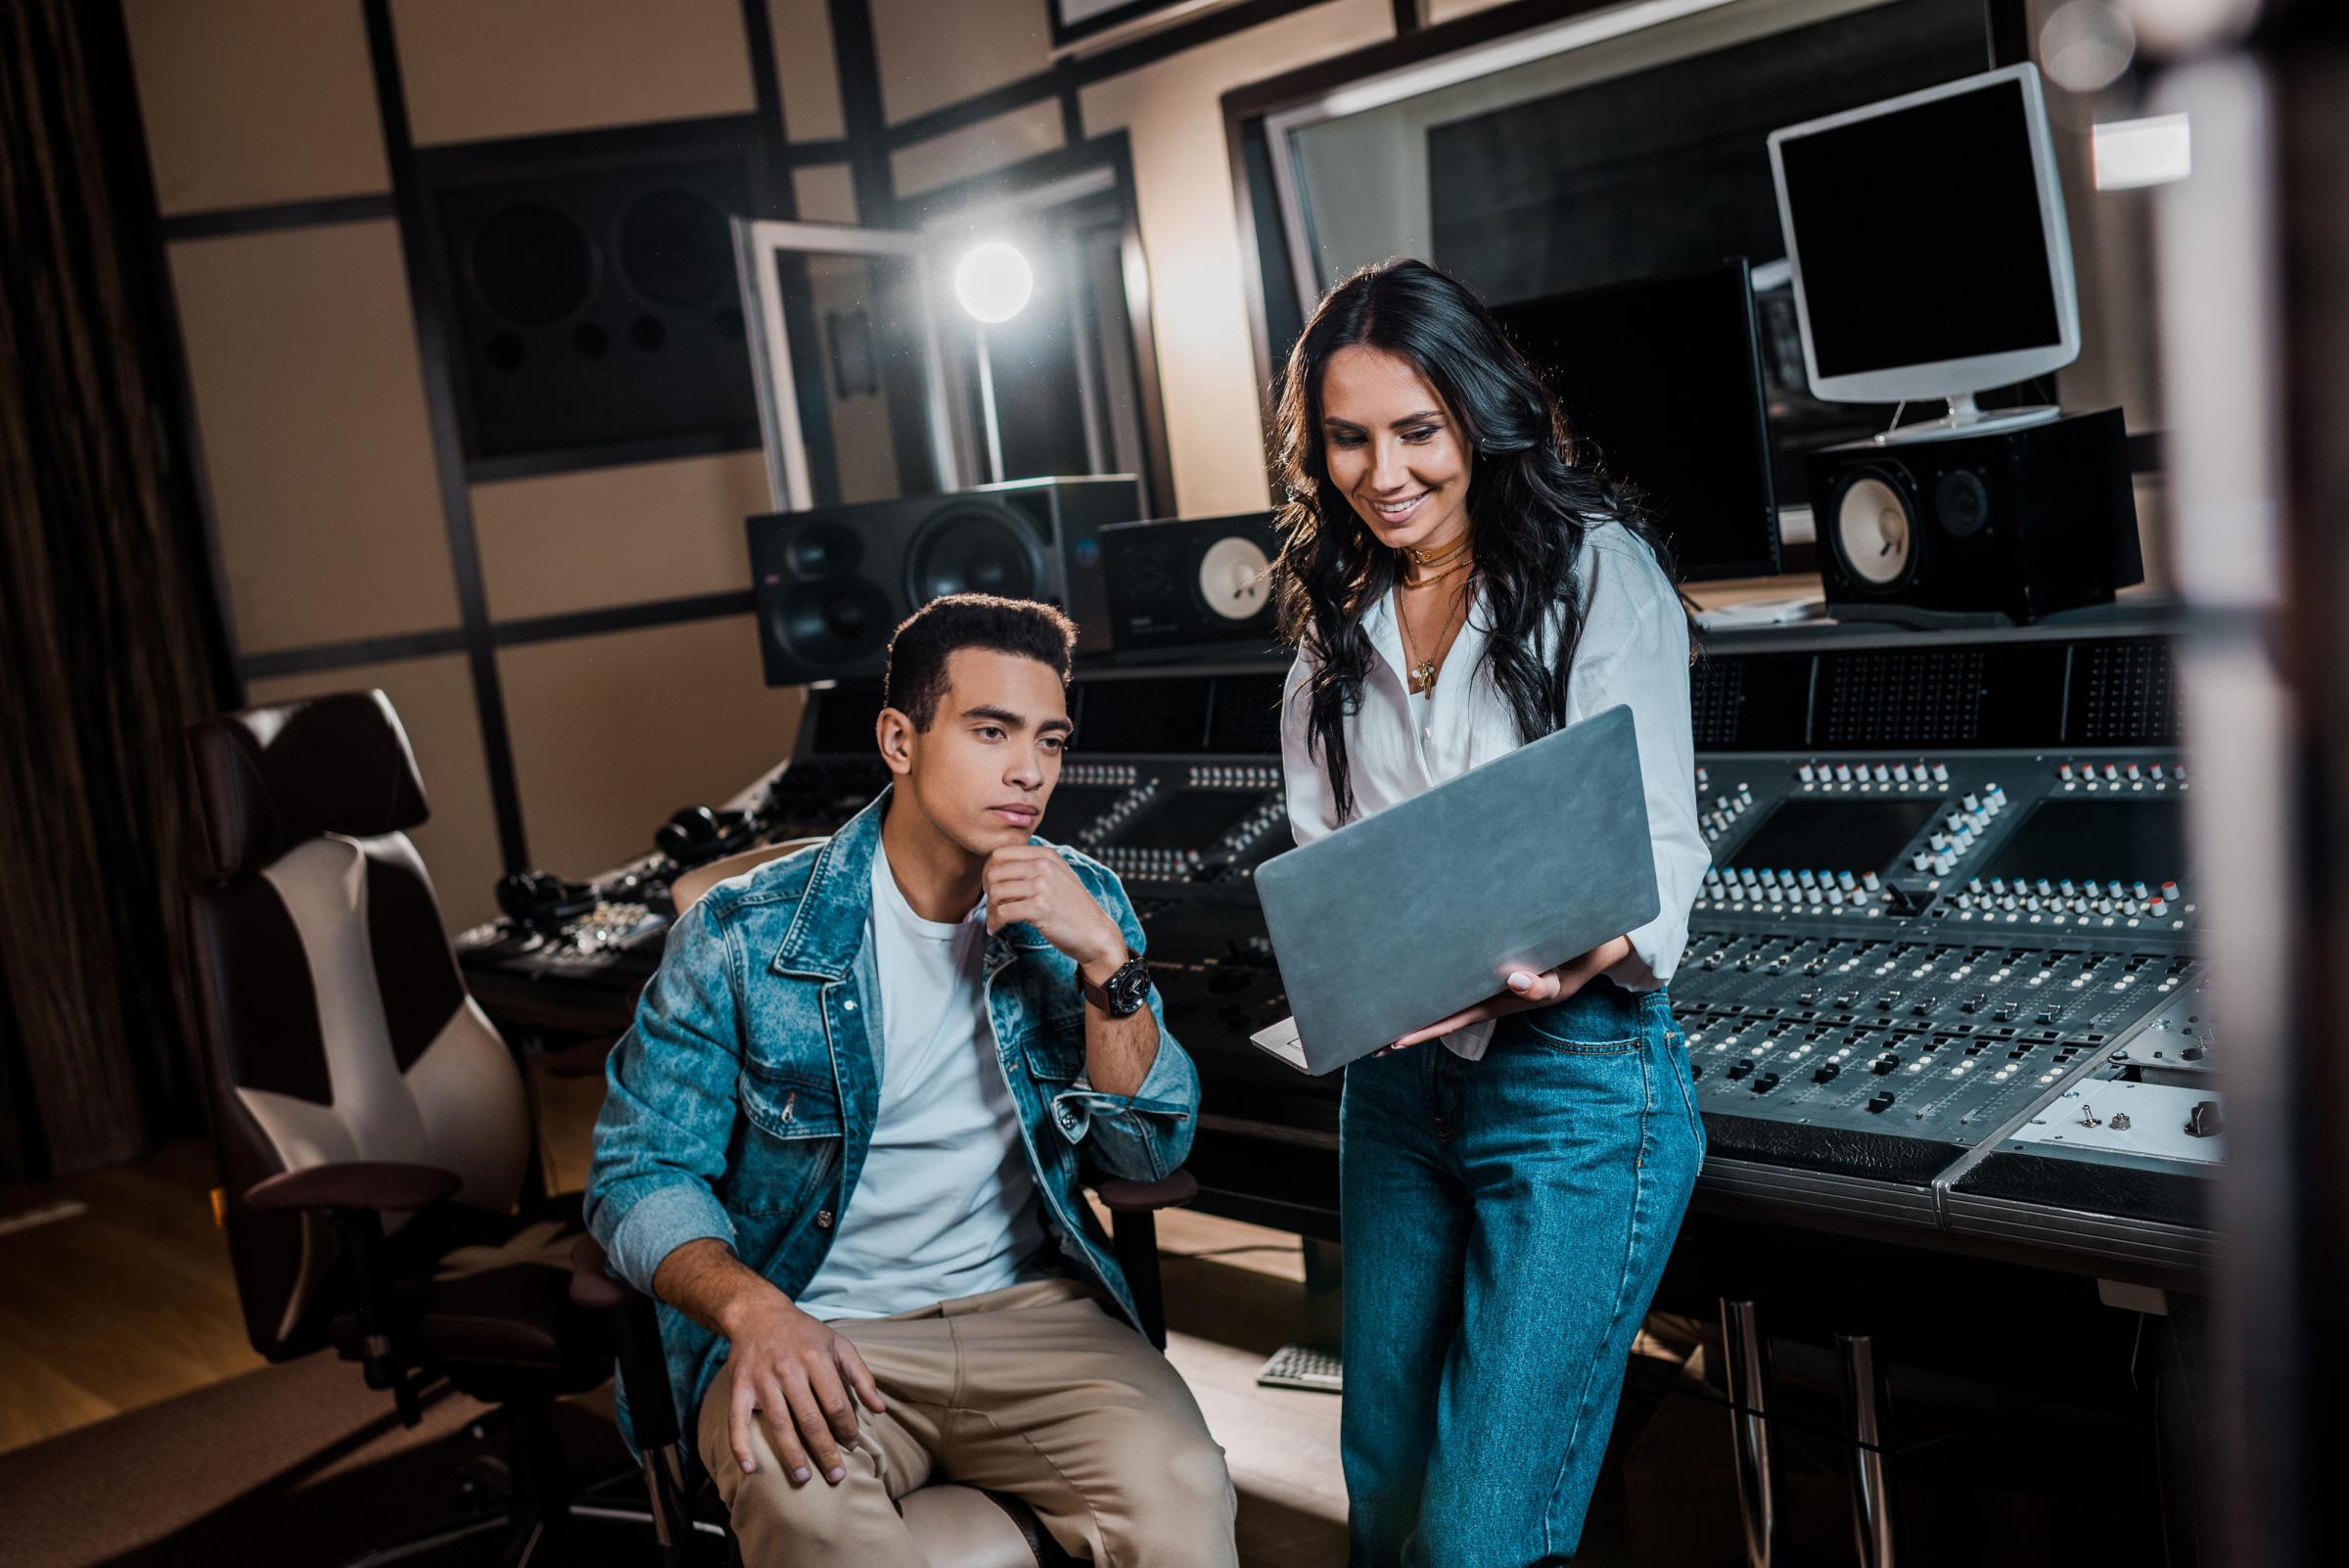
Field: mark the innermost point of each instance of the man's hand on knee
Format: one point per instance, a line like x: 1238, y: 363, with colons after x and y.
x: 784, y: 1362
x: 800, y: 1374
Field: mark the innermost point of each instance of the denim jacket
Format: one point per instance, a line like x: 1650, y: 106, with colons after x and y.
x: 740, y: 1105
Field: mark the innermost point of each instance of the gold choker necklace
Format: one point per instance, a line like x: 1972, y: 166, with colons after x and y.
x: 1429, y: 558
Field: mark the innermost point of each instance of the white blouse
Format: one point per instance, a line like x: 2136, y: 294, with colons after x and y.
x: 1634, y: 650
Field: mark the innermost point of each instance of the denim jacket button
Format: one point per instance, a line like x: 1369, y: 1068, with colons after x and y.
x: 823, y: 1220
x: 850, y: 1004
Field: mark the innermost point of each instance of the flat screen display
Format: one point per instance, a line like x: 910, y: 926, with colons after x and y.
x: 2125, y: 840
x: 1661, y: 379
x: 1918, y: 234
x: 1834, y: 835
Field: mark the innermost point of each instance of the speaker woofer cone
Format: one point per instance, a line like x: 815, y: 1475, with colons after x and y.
x: 1871, y: 529
x: 532, y: 265
x: 674, y: 246
x: 818, y: 551
x: 844, y: 621
x: 974, y: 550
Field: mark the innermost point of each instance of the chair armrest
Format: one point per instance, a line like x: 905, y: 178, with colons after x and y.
x: 1148, y: 1197
x: 636, y: 1333
x: 593, y: 1285
x: 376, y: 1185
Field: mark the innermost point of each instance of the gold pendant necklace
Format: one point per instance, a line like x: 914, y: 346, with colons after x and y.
x: 1419, y: 673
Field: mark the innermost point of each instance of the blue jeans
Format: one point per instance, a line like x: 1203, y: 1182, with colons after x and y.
x: 1505, y: 1223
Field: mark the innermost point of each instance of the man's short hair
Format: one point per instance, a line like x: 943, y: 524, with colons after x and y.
x: 915, y: 678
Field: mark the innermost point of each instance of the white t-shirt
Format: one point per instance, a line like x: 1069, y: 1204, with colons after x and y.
x: 945, y: 1205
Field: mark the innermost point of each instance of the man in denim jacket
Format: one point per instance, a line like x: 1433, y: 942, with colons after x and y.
x: 841, y: 1146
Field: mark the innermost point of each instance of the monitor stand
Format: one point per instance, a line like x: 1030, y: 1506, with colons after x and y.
x: 1966, y: 418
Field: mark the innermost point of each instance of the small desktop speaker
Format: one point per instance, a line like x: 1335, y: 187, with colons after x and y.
x: 2018, y: 522
x: 1198, y: 580
x: 833, y: 583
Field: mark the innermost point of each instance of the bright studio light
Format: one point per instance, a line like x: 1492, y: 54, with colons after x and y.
x: 993, y: 282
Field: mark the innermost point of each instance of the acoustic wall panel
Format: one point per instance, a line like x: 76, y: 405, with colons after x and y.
x: 606, y: 536
x: 805, y: 71
x: 933, y: 55
x: 613, y: 733
x: 533, y: 68
x: 435, y: 699
x: 251, y: 103
x: 978, y: 149
x: 826, y: 193
x: 310, y: 407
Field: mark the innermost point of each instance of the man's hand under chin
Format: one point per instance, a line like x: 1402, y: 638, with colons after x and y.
x: 1030, y: 884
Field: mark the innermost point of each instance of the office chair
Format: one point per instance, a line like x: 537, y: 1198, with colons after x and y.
x: 955, y: 1526
x: 376, y: 1138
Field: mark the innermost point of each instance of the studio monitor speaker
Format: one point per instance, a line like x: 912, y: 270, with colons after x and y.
x: 2020, y: 521
x: 833, y: 583
x: 1192, y: 582
x: 592, y: 291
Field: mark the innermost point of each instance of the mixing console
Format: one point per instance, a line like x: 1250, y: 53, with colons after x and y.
x: 1951, y: 912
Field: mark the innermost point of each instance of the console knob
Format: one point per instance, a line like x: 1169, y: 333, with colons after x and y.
x: 1869, y: 881
x: 1806, y: 772
x: 2133, y: 772
x: 2064, y: 773
x: 1973, y: 803
x: 1900, y: 772
x: 2202, y: 1122
x: 1882, y: 774
x: 1843, y: 773
x: 1941, y: 773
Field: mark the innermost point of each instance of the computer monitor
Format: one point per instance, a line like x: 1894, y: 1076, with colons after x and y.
x: 1661, y: 379
x: 1927, y: 239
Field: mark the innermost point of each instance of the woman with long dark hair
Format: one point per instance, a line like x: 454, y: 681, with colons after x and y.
x: 1455, y: 586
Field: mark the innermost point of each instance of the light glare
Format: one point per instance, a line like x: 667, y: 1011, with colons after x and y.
x: 993, y: 282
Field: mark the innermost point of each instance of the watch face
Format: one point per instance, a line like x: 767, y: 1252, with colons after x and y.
x: 1235, y: 578
x: 1129, y: 988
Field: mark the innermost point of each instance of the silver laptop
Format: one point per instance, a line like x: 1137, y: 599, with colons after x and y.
x: 1399, y: 919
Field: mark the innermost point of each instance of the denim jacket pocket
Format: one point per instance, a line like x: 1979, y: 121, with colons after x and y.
x: 790, y: 1142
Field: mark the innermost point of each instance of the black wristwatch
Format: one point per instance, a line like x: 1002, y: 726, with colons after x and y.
x: 1123, y: 994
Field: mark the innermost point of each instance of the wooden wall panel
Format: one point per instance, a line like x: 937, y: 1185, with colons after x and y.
x: 805, y: 71
x: 248, y: 103
x: 529, y: 68
x: 310, y: 407
x: 618, y: 536
x: 613, y: 733
x: 933, y: 55
x: 978, y: 149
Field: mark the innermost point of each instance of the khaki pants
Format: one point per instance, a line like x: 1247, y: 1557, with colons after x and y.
x: 1035, y: 1391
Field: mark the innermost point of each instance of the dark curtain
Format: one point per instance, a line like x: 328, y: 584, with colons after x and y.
x: 105, y: 651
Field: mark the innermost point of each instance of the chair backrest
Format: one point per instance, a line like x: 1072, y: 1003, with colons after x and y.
x: 687, y: 889
x: 337, y: 1023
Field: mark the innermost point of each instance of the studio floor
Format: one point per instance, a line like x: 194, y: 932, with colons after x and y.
x: 137, y: 1426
